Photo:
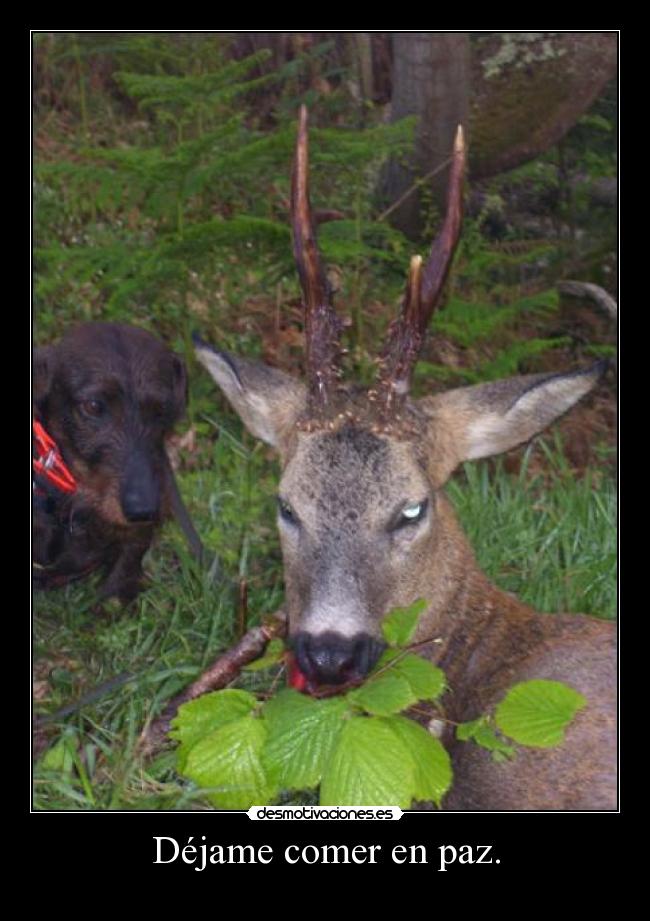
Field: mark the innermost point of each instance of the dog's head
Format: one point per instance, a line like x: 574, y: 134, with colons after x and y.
x: 109, y: 394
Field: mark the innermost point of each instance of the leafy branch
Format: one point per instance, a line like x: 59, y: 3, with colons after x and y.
x: 356, y: 748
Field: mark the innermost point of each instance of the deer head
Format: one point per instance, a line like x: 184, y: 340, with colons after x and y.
x: 363, y: 521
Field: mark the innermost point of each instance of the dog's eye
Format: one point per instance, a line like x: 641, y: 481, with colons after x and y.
x: 93, y: 408
x: 286, y: 512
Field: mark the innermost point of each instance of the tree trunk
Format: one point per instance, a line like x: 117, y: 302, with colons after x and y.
x: 430, y: 80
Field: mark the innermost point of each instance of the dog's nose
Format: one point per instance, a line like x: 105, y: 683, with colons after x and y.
x: 330, y: 658
x: 138, y: 508
x: 140, y: 496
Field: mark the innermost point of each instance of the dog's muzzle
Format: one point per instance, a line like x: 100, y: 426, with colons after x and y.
x: 140, y: 493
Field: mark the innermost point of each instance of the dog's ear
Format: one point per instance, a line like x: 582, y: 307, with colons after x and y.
x: 42, y: 372
x: 179, y: 385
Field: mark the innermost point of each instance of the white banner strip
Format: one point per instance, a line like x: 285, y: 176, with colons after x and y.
x: 327, y: 813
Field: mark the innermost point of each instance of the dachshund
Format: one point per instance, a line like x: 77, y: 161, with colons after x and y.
x: 105, y: 397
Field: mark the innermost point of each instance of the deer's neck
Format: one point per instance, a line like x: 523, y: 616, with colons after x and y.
x: 479, y: 632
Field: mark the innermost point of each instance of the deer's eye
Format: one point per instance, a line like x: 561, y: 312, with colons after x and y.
x: 286, y: 512
x: 412, y: 513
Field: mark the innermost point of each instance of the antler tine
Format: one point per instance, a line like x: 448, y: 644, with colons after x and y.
x: 423, y: 290
x: 322, y: 327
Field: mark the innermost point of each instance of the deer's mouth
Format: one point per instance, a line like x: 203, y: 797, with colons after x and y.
x: 330, y: 663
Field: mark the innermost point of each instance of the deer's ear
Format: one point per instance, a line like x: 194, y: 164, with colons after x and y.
x: 268, y: 401
x: 491, y: 418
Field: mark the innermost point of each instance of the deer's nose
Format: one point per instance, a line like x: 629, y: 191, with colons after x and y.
x: 330, y: 658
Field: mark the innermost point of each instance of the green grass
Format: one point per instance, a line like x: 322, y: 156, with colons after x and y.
x: 551, y: 540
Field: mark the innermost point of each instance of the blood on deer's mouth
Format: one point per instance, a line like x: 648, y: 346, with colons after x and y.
x: 329, y: 663
x: 297, y: 680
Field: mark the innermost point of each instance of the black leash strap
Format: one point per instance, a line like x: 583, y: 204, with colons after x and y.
x: 183, y: 518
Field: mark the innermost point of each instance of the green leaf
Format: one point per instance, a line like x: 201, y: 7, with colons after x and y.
x: 302, y: 734
x: 400, y: 624
x: 229, y: 759
x: 58, y: 757
x: 387, y: 693
x: 387, y: 657
x: 481, y: 732
x: 426, y: 681
x: 537, y: 712
x: 199, y: 717
x: 370, y: 766
x: 433, y: 773
x: 273, y: 655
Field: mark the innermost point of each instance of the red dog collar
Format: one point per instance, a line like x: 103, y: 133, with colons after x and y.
x: 49, y: 463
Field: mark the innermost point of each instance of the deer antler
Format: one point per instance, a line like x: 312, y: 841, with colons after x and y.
x: 423, y: 290
x: 322, y: 326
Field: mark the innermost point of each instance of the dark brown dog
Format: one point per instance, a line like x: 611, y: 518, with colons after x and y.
x: 108, y: 395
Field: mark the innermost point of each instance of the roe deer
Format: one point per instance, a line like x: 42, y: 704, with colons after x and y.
x: 365, y: 527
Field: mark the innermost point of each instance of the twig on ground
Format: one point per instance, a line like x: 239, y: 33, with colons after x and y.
x: 224, y: 670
